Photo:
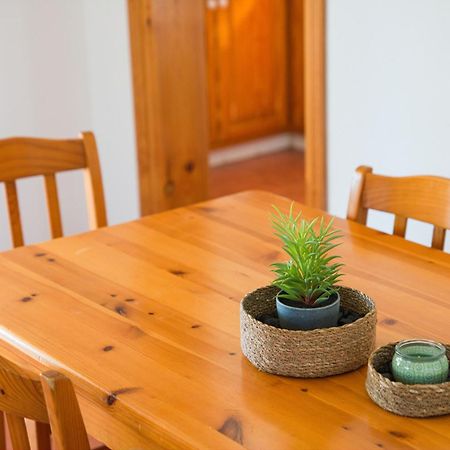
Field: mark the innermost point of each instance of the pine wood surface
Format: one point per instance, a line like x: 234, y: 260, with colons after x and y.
x: 144, y: 319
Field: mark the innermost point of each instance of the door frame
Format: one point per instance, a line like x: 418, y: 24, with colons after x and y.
x: 315, y: 103
x: 170, y: 101
x: 173, y: 165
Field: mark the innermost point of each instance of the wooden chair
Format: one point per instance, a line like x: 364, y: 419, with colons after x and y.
x: 27, y: 157
x: 424, y: 198
x: 48, y: 399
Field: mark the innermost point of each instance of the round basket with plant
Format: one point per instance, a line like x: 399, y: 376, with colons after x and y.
x: 304, y: 324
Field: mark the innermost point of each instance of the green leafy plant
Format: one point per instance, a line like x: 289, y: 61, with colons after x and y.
x: 311, y: 274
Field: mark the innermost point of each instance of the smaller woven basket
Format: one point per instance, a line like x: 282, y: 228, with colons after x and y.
x: 307, y: 354
x: 412, y: 400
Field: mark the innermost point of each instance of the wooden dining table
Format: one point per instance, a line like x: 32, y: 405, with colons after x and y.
x: 144, y: 319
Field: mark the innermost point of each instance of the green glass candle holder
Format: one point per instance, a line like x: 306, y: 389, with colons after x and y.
x: 420, y: 362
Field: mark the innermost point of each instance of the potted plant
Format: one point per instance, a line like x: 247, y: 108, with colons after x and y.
x: 302, y: 324
x: 308, y: 296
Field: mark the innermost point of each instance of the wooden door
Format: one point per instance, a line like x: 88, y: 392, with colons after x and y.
x: 247, y: 69
x: 169, y: 81
x: 296, y: 65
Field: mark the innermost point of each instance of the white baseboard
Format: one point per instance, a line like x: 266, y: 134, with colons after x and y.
x: 257, y: 147
x: 298, y: 142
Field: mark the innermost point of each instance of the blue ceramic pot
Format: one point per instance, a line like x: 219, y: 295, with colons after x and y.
x: 294, y: 318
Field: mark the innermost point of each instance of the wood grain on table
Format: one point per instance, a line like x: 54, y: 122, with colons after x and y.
x: 144, y: 318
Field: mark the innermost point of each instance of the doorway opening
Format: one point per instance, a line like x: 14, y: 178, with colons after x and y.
x: 253, y: 94
x: 255, y: 72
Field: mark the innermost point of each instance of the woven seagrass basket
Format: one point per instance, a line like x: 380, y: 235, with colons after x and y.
x: 312, y: 353
x: 412, y: 400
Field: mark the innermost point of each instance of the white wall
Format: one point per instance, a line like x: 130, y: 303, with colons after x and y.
x: 388, y: 93
x: 65, y: 68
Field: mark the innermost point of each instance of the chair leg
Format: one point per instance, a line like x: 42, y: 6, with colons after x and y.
x: 18, y: 432
x: 2, y: 432
x: 43, y: 436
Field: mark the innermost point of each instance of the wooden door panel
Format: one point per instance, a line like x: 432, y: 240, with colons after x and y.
x: 169, y: 83
x: 247, y: 46
x: 296, y: 65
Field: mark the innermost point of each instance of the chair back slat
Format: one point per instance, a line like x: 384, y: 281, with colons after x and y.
x: 93, y: 183
x: 355, y: 210
x: 18, y: 432
x: 2, y: 432
x: 43, y: 436
x: 400, y: 225
x: 14, y: 213
x: 54, y: 212
x: 65, y: 416
x: 23, y: 157
x: 50, y: 398
x: 438, y: 239
x: 28, y: 157
x: 423, y: 198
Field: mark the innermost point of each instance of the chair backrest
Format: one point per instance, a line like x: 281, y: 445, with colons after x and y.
x: 27, y: 157
x: 48, y: 399
x: 424, y: 198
